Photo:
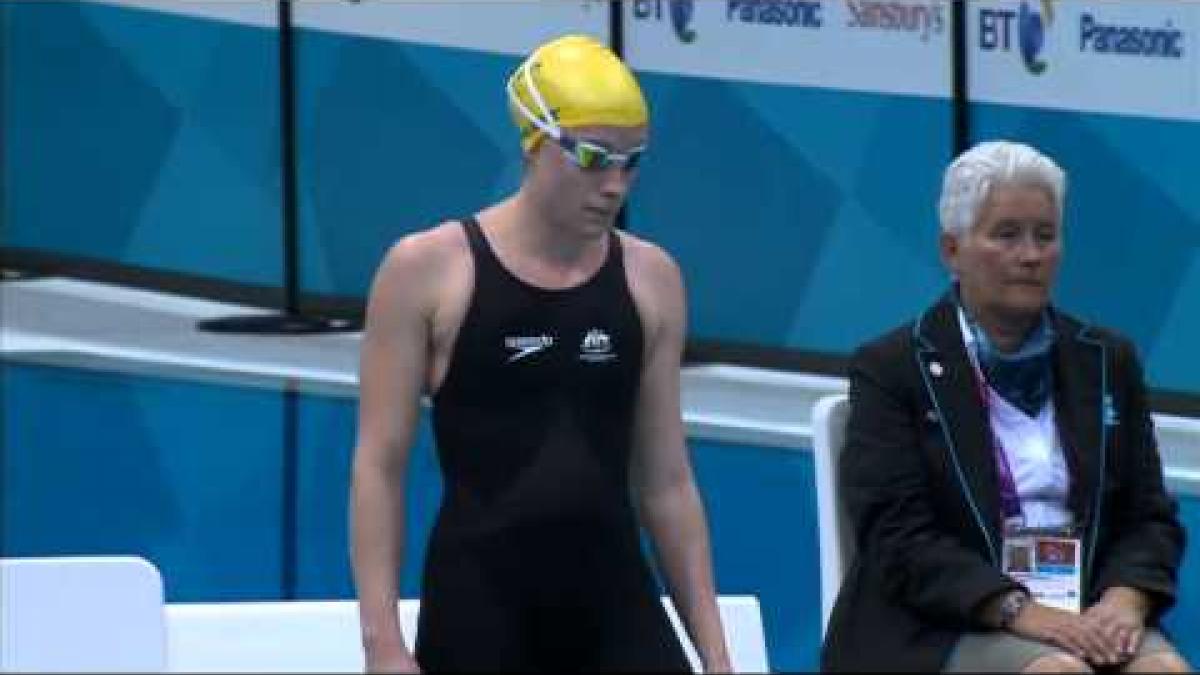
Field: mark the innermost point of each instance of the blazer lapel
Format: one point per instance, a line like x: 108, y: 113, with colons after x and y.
x: 950, y: 380
x: 1078, y: 403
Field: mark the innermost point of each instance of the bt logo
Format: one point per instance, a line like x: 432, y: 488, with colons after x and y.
x: 681, y: 12
x: 996, y: 28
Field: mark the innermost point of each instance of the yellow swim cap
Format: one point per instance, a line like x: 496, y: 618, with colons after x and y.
x: 573, y: 81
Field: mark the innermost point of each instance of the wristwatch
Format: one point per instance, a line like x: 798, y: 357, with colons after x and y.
x: 1011, y: 606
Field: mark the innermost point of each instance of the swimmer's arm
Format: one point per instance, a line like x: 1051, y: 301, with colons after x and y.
x: 392, y: 366
x: 662, y: 482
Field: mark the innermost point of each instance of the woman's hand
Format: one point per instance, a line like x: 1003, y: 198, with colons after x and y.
x: 389, y: 655
x: 395, y: 661
x: 1121, y: 616
x: 1069, y: 631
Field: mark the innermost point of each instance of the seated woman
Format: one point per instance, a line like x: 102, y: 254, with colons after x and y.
x: 1000, y: 465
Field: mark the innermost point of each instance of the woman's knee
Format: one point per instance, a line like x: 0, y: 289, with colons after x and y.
x: 1159, y: 662
x: 1058, y: 663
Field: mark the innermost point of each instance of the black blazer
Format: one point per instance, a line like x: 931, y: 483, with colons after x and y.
x: 920, y: 484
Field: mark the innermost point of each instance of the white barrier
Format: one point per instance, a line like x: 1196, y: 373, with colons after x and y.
x: 108, y: 614
x: 323, y: 636
x: 81, y: 613
x: 309, y: 636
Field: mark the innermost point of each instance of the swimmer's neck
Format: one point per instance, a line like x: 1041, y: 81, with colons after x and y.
x: 514, y: 225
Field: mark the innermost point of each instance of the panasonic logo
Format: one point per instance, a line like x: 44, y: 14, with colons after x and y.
x: 1101, y: 38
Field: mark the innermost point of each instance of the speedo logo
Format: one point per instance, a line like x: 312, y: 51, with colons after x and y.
x: 524, y: 346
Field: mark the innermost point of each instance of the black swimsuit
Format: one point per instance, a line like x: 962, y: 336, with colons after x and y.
x: 535, y: 560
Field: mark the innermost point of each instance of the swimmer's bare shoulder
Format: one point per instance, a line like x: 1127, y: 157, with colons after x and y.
x: 656, y: 283
x: 425, y: 267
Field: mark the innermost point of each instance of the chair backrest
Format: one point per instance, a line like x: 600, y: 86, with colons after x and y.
x: 741, y: 617
x: 81, y: 614
x: 322, y: 636
x: 836, y: 534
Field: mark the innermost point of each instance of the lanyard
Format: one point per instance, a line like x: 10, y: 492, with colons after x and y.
x: 1010, y: 500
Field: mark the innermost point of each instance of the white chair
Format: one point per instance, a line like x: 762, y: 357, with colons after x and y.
x: 81, y: 614
x: 310, y: 636
x: 836, y: 534
x: 741, y: 617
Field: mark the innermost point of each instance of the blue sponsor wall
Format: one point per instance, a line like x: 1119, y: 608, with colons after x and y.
x: 141, y: 138
x: 1132, y: 225
x: 1109, y: 90
x: 770, y: 198
x: 94, y: 462
x: 801, y: 203
x: 393, y: 137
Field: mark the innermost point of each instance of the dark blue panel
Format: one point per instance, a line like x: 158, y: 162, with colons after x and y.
x: 326, y: 440
x: 743, y: 212
x: 144, y: 138
x: 1132, y: 225
x: 1183, y: 622
x: 76, y: 110
x: 384, y: 150
x: 753, y: 188
x: 762, y: 513
x: 185, y: 474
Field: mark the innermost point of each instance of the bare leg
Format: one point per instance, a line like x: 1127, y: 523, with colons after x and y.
x: 1058, y: 663
x: 1158, y: 662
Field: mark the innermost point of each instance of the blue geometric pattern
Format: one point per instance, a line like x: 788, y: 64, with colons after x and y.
x: 744, y: 216
x: 1132, y: 226
x: 801, y: 217
x: 806, y: 218
x: 753, y: 188
x: 142, y: 138
x: 386, y: 148
x: 186, y: 474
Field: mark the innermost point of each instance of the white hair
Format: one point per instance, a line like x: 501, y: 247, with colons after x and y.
x: 971, y: 176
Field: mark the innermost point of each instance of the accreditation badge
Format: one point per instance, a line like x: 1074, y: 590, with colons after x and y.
x: 1046, y: 564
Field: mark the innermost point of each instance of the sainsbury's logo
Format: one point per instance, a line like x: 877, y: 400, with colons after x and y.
x: 922, y: 18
